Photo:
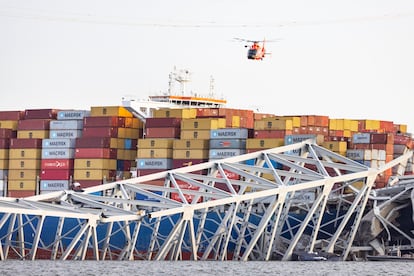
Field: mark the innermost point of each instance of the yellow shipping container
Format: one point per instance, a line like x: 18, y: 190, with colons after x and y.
x: 195, y: 134
x: 22, y: 185
x: 159, y: 143
x: 125, y: 154
x: 354, y: 125
x: 275, y: 124
x: 30, y: 164
x: 372, y: 124
x: 23, y: 174
x: 39, y: 134
x: 110, y: 111
x: 203, y: 123
x: 4, y: 164
x: 184, y: 113
x: 95, y: 163
x: 235, y: 121
x: 336, y: 146
x: 91, y: 174
x: 25, y: 153
x: 4, y: 153
x: 191, y: 144
x: 133, y: 123
x: 267, y: 143
x: 154, y: 153
x: 10, y: 124
x: 296, y: 120
x: 333, y: 124
x: 190, y: 154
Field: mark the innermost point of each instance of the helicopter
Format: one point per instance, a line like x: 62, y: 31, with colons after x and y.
x: 257, y: 50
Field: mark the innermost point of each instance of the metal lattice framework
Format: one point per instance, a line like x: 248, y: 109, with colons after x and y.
x: 295, y: 198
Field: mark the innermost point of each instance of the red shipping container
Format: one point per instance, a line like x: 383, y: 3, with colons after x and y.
x: 382, y: 138
x: 271, y: 133
x: 12, y: 115
x: 104, y: 121
x: 93, y: 142
x: 20, y: 193
x: 142, y: 172
x: 100, y: 132
x: 33, y: 124
x: 163, y: 132
x: 223, y: 186
x: 25, y: 143
x: 40, y: 114
x: 96, y: 153
x: 4, y: 143
x: 184, y: 185
x: 401, y: 139
x: 179, y: 163
x: 230, y: 175
x: 163, y: 122
x: 56, y: 174
x: 88, y: 183
x: 7, y: 133
x: 57, y: 164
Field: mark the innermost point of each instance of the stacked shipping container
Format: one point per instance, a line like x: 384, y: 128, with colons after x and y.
x: 59, y: 150
x: 107, y: 143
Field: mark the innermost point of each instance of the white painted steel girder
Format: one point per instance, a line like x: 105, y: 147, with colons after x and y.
x: 279, y: 202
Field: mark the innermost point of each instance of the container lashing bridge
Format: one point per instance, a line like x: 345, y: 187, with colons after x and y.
x: 284, y: 201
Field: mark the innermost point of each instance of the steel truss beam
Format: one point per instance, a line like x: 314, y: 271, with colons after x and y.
x: 278, y: 203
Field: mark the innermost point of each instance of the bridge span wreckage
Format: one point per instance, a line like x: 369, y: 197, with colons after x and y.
x: 291, y: 199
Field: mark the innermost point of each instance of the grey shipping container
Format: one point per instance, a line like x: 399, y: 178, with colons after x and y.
x: 230, y: 133
x: 355, y: 154
x: 58, y: 143
x: 66, y: 124
x: 154, y: 163
x: 75, y: 133
x: 227, y: 143
x: 59, y: 153
x: 361, y: 138
x: 297, y: 138
x: 54, y: 185
x: 225, y: 153
x: 72, y: 114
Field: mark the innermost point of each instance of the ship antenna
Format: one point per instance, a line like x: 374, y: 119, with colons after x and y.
x: 211, y: 86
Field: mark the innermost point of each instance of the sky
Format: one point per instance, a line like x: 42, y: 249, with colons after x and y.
x: 350, y: 59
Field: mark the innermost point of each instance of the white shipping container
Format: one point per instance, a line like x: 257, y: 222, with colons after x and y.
x: 58, y: 153
x: 229, y: 133
x: 66, y: 124
x: 54, y: 185
x: 367, y: 154
x: 154, y: 163
x: 75, y: 133
x: 72, y: 114
x: 59, y: 143
x: 227, y: 143
x: 225, y: 153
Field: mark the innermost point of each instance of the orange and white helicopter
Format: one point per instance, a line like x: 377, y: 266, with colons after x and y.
x: 257, y: 50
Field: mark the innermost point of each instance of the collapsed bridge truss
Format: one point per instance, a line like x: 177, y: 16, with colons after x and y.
x: 295, y: 198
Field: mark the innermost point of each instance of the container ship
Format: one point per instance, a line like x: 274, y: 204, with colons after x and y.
x: 48, y: 150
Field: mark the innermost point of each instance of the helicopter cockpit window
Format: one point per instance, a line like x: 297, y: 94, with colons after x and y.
x: 251, y: 53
